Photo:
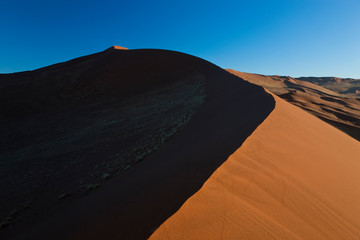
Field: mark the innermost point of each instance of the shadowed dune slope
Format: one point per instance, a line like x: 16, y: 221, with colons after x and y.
x: 137, y: 199
x: 295, y: 177
x: 326, y: 98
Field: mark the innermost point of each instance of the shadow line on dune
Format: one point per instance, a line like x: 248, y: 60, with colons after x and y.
x: 133, y: 205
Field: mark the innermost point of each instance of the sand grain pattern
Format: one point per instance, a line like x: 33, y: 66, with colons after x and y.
x: 295, y: 177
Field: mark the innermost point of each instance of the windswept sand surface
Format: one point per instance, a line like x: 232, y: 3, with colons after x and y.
x: 295, y: 177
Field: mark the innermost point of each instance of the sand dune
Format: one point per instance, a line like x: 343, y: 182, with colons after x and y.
x: 295, y: 177
x: 174, y: 119
x: 106, y: 103
x: 281, y: 84
x: 327, y: 98
x: 348, y: 86
x: 119, y: 48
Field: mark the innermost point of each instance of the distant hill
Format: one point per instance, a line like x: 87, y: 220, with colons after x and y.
x: 334, y: 100
x: 348, y: 86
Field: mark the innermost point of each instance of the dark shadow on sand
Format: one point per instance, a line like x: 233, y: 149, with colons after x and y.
x: 136, y: 203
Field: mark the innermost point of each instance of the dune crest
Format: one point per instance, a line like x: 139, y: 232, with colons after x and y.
x: 118, y: 48
x: 295, y: 177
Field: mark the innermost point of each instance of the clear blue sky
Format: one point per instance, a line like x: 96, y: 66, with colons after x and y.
x: 293, y: 37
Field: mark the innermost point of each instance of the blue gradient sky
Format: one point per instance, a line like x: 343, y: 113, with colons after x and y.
x: 293, y: 37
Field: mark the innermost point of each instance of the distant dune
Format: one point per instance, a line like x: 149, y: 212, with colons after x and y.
x: 327, y: 98
x: 295, y: 177
x: 348, y: 86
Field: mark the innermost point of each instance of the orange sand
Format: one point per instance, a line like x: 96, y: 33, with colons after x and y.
x: 119, y: 48
x: 295, y: 177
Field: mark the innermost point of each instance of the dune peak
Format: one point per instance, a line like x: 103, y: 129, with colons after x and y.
x: 114, y: 47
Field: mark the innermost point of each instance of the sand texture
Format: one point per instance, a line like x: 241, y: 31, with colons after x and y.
x: 295, y: 177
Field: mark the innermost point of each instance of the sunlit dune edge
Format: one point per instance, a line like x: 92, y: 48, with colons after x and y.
x: 119, y: 48
x: 295, y: 177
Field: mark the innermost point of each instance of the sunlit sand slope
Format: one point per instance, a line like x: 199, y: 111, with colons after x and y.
x: 295, y: 177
